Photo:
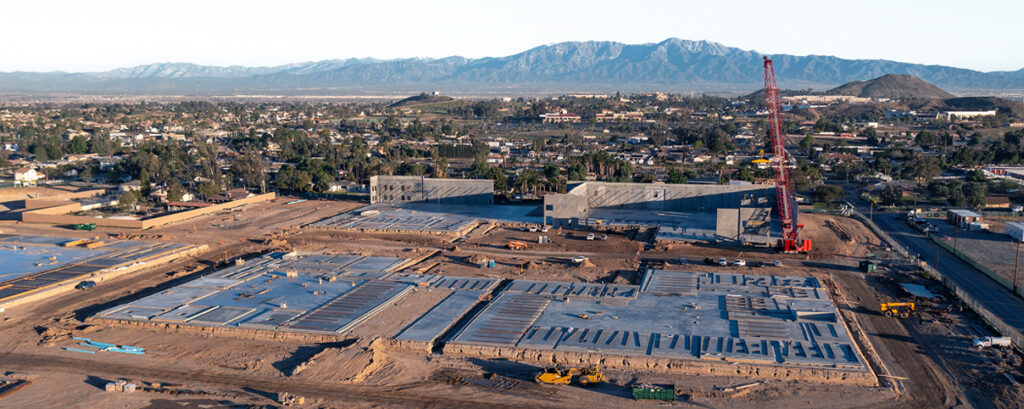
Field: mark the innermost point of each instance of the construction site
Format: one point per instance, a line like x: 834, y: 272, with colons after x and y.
x: 430, y: 295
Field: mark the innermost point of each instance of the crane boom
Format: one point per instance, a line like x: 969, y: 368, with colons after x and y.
x: 790, y: 242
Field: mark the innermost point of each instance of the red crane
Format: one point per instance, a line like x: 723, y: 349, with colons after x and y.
x: 790, y: 242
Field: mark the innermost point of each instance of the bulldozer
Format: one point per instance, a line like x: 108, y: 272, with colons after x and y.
x: 563, y: 376
x: 516, y: 245
x: 899, y: 309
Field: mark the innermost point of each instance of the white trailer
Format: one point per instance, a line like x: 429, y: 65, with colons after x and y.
x: 1015, y: 230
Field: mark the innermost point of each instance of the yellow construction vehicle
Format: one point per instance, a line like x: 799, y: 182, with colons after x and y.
x: 516, y: 245
x: 564, y: 376
x: 900, y: 309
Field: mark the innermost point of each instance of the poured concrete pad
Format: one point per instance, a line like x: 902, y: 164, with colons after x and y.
x: 677, y: 315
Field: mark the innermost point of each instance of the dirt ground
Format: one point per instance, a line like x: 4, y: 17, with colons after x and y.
x: 924, y: 364
x: 838, y: 236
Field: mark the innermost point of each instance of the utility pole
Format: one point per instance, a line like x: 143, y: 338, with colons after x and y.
x: 1016, y: 264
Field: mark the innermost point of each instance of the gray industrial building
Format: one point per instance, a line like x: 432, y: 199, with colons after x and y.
x: 419, y: 189
x: 686, y: 212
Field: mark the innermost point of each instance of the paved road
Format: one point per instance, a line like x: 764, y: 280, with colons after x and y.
x: 993, y: 296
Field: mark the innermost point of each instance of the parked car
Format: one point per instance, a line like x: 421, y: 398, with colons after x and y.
x: 85, y: 285
x: 723, y: 262
x: 757, y: 264
x: 590, y: 236
x: 533, y: 229
x: 931, y: 228
x: 777, y: 263
x: 739, y: 262
x: 544, y: 229
x: 604, y: 237
x: 682, y: 260
x: 709, y: 261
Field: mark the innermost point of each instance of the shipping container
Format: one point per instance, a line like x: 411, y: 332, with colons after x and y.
x: 654, y: 392
x: 977, y: 226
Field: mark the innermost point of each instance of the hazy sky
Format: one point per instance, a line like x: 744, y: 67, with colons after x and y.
x: 77, y: 35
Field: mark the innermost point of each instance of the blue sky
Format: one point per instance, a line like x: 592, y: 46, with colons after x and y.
x: 42, y: 35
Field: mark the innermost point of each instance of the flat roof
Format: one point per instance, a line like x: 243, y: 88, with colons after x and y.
x: 964, y: 213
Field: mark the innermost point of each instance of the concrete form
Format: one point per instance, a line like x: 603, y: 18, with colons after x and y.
x: 40, y: 266
x: 308, y: 294
x: 419, y: 189
x: 747, y: 325
x: 700, y: 316
x: 425, y: 218
x: 389, y: 219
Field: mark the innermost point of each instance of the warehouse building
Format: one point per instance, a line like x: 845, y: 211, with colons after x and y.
x: 419, y: 189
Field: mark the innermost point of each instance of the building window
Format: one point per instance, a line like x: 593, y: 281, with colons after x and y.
x: 549, y: 207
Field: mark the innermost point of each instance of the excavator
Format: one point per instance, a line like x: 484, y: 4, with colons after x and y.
x: 558, y: 375
x: 899, y: 309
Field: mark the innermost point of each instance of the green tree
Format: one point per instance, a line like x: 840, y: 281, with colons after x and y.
x: 828, y: 193
x: 249, y: 170
x: 128, y: 200
x: 78, y: 145
x: 807, y: 143
x: 881, y: 165
x: 145, y: 186
x: 922, y: 168
x: 975, y: 194
x: 891, y: 195
x: 745, y: 174
x: 175, y: 192
x: 623, y: 172
x: 209, y: 188
x: 675, y: 177
x: 577, y: 171
x: 872, y: 136
x: 86, y: 174
x: 441, y: 168
x: 976, y: 175
x: 40, y: 153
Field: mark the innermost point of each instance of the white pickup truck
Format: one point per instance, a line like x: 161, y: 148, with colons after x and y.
x: 988, y: 342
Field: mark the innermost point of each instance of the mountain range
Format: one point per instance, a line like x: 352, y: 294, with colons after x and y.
x: 673, y: 65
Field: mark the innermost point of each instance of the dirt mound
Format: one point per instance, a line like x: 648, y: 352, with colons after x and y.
x: 476, y: 259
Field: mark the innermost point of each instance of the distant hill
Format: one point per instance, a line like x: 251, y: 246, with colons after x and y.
x: 422, y: 99
x: 893, y: 86
x: 673, y: 65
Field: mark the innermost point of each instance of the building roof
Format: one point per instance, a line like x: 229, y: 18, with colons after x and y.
x: 964, y: 213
